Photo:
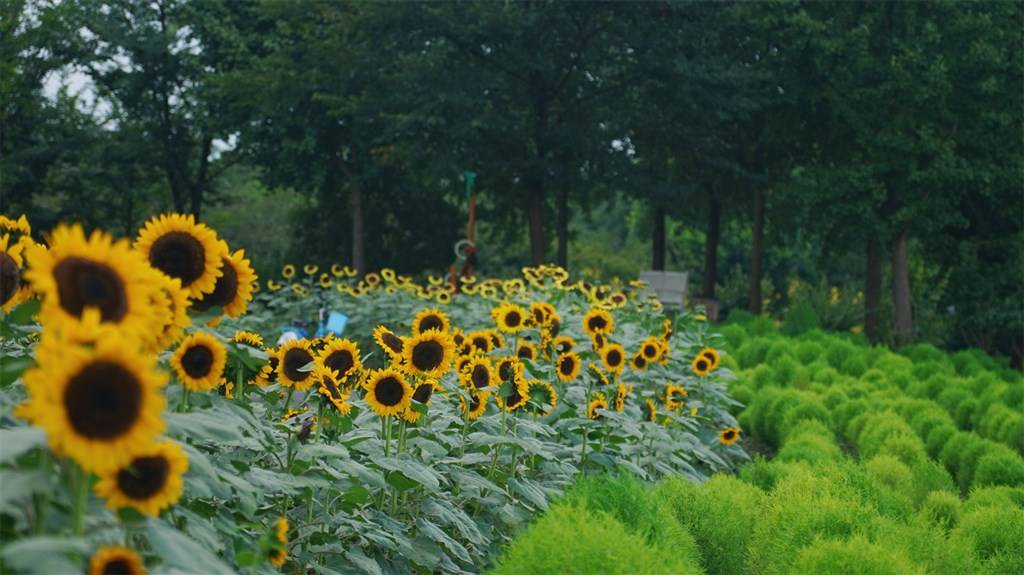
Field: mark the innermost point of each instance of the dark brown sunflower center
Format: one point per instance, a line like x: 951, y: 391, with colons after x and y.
x: 103, y: 400
x: 563, y: 347
x: 566, y: 366
x: 10, y: 278
x: 513, y: 319
x: 179, y: 255
x: 118, y: 566
x: 481, y: 377
x: 702, y: 364
x: 224, y: 291
x: 513, y: 399
x: 505, y: 371
x: 614, y: 358
x: 650, y: 351
x: 144, y: 478
x: 729, y: 435
x: 391, y: 340
x: 458, y: 338
x: 596, y: 323
x: 340, y: 360
x: 423, y: 393
x: 431, y: 322
x: 598, y: 341
x: 427, y: 355
x: 474, y: 402
x: 481, y: 343
x: 525, y: 352
x: 639, y: 361
x: 332, y: 388
x: 83, y: 282
x: 389, y: 391
x: 294, y: 360
x: 272, y: 377
x: 197, y: 361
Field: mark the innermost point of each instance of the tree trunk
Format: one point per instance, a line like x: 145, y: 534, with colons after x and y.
x: 873, y: 289
x: 199, y: 186
x: 902, y: 306
x: 535, y: 214
x: 658, y: 240
x: 563, y: 226
x: 757, y: 252
x: 711, y: 246
x: 358, y: 233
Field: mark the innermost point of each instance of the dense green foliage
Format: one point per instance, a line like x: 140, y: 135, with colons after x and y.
x: 871, y: 470
x: 836, y: 144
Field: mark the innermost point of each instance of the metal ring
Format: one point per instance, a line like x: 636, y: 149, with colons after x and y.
x: 460, y: 246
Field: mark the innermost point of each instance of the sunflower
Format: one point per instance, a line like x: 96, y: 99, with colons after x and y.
x: 675, y: 397
x: 638, y: 363
x: 729, y: 435
x: 563, y: 344
x: 233, y: 289
x: 509, y: 317
x: 288, y: 271
x: 598, y: 341
x: 371, y: 279
x: 19, y: 226
x: 337, y: 270
x: 431, y: 318
x: 248, y: 338
x: 149, y: 483
x: 181, y: 248
x: 199, y: 361
x: 170, y: 304
x: 12, y: 289
x: 497, y: 340
x: 268, y: 372
x: 613, y: 357
x: 299, y: 290
x: 340, y: 355
x: 599, y: 402
x: 116, y: 560
x: 295, y: 355
x: 650, y: 410
x: 701, y: 365
x: 568, y: 366
x: 331, y: 387
x: 666, y: 328
x: 310, y: 269
x: 602, y: 378
x: 274, y: 286
x: 543, y: 397
x: 542, y: 312
x: 443, y: 297
x: 389, y: 342
x: 476, y: 405
x: 424, y: 392
x: 480, y: 341
x: 518, y: 394
x: 280, y: 551
x: 478, y: 373
x: 76, y: 273
x: 430, y: 353
x: 711, y: 354
x: 387, y: 392
x: 98, y: 404
x: 598, y: 321
x: 666, y: 352
x: 622, y: 391
x: 508, y: 369
x: 651, y: 349
x: 526, y: 350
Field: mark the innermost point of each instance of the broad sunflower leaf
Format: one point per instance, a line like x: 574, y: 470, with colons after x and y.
x: 18, y: 440
x: 437, y: 534
x: 368, y: 565
x: 530, y: 491
x: 43, y: 555
x: 413, y: 470
x: 178, y: 550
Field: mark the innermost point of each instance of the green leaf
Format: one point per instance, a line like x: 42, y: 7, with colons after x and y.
x: 12, y: 368
x: 437, y: 534
x: 18, y: 440
x: 178, y: 550
x: 365, y: 563
x: 44, y: 555
x: 530, y: 491
x: 413, y: 470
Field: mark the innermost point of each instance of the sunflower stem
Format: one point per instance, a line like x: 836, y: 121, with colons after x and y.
x: 81, y: 494
x: 240, y: 382
x: 288, y: 402
x: 183, y: 406
x: 497, y: 450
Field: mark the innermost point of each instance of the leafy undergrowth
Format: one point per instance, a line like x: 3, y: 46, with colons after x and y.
x: 884, y: 463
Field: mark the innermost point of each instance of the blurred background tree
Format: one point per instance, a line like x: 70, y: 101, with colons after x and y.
x: 864, y: 160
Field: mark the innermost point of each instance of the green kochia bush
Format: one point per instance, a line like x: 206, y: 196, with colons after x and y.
x: 572, y: 539
x: 720, y: 514
x: 856, y: 556
x: 995, y: 533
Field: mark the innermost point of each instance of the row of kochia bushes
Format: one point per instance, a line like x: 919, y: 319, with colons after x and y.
x: 978, y: 392
x: 785, y: 516
x: 972, y: 424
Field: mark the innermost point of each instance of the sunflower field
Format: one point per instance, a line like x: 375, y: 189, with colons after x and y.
x: 155, y: 419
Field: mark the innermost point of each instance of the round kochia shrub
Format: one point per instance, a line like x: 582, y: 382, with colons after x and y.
x: 856, y: 556
x: 1000, y: 466
x: 809, y: 441
x: 569, y: 539
x: 942, y: 508
x: 995, y: 534
x: 720, y: 514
